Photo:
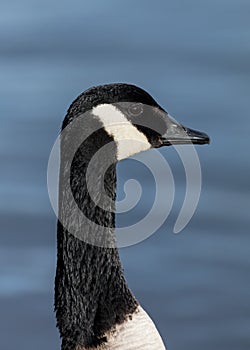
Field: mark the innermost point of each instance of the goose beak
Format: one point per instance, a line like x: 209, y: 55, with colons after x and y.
x: 178, y: 134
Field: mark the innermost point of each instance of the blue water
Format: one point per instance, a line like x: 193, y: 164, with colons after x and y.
x: 194, y: 58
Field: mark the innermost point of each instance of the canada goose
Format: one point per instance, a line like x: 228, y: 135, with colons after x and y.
x: 94, y: 306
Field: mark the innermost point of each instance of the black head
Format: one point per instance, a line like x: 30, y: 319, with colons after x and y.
x: 132, y: 118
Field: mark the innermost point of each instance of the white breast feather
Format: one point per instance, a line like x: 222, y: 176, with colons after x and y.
x: 137, y: 333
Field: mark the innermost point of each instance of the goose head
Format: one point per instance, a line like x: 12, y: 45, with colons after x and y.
x: 132, y: 118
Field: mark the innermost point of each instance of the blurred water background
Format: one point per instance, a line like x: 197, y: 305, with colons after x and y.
x: 194, y: 58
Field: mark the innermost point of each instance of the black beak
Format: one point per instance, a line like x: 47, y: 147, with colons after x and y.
x: 178, y: 134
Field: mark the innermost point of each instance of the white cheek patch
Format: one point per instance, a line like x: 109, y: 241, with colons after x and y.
x: 128, y: 138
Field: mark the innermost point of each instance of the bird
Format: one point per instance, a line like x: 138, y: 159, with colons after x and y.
x: 95, y: 308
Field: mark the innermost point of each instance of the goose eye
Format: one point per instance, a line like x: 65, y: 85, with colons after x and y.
x: 135, y: 109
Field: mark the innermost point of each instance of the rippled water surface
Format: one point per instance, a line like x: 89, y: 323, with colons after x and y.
x: 193, y: 57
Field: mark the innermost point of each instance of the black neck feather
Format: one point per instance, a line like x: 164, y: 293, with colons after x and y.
x: 91, y: 294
